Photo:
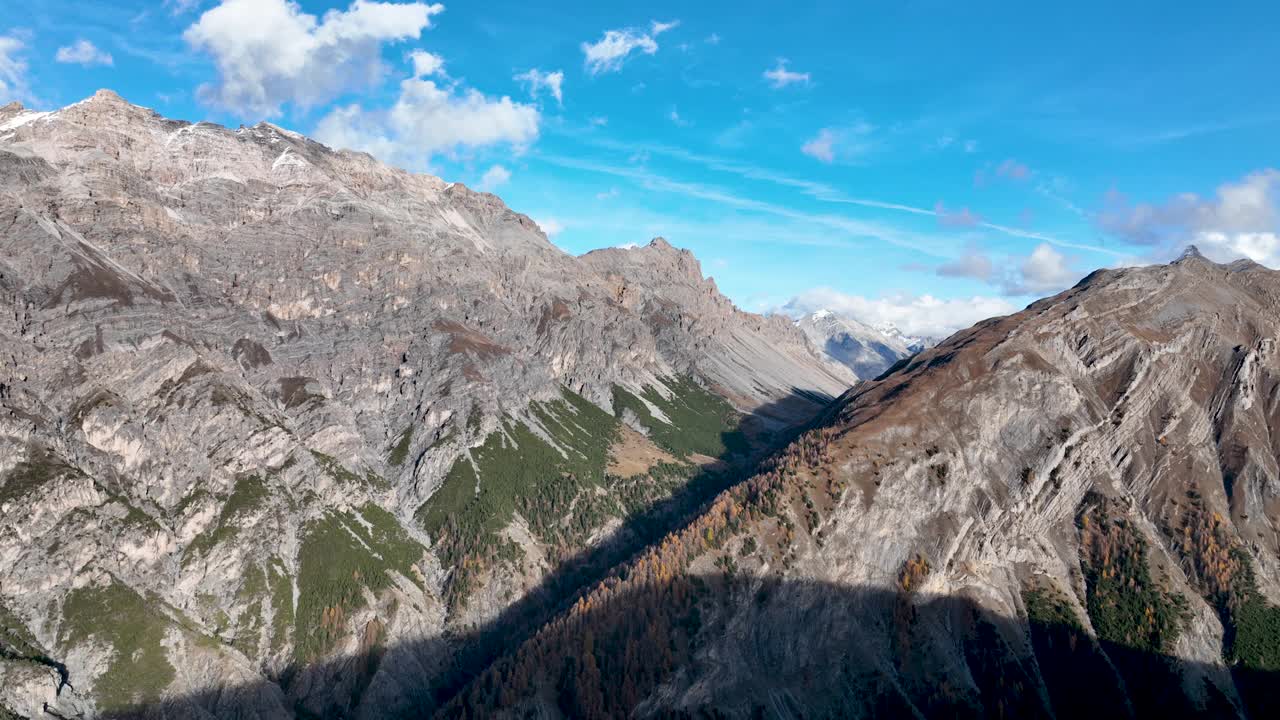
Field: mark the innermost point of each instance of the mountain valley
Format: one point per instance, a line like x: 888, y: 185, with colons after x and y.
x: 288, y: 433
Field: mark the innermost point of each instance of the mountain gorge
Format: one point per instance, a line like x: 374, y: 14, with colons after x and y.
x: 290, y: 433
x: 273, y: 411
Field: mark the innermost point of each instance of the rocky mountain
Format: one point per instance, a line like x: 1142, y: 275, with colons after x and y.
x: 914, y: 343
x: 865, y: 350
x: 280, y: 426
x: 1068, y: 512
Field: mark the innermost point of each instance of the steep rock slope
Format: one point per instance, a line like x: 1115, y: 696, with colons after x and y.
x: 261, y: 401
x: 1071, y: 511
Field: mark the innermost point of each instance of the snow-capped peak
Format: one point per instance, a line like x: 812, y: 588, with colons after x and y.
x: 864, y: 349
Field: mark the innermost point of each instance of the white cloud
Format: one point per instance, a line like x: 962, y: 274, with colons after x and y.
x: 426, y: 64
x: 920, y: 315
x: 13, y: 70
x: 712, y: 39
x: 608, y: 194
x: 598, y: 121
x: 780, y: 77
x: 270, y: 52
x: 1260, y: 247
x: 609, y: 52
x: 1241, y: 220
x: 83, y: 53
x: 537, y: 81
x: 971, y: 146
x: 1042, y: 272
x: 550, y: 226
x: 494, y: 178
x: 822, y: 146
x: 674, y: 116
x: 972, y: 264
x: 428, y: 119
x: 352, y: 128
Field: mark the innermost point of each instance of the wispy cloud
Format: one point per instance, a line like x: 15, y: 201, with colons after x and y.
x: 822, y: 146
x: 962, y: 218
x: 779, y: 76
x: 1009, y: 169
x: 1186, y: 132
x: 826, y: 192
x: 1013, y: 170
x: 853, y: 227
x: 841, y: 143
x: 613, y: 48
x: 537, y: 81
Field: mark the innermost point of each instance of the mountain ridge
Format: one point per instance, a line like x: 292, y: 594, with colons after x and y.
x: 1093, y: 471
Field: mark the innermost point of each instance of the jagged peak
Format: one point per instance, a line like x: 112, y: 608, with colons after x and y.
x: 106, y: 94
x: 104, y: 98
x: 1190, y: 253
x: 660, y: 243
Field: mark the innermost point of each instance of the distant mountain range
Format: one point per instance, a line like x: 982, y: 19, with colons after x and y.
x: 864, y: 349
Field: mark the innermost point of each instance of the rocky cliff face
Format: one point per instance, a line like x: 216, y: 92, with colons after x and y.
x: 1071, y: 511
x: 261, y: 401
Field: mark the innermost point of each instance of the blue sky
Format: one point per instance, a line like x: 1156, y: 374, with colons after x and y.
x: 926, y: 163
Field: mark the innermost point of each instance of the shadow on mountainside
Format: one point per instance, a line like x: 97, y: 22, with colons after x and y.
x: 734, y: 645
x: 769, y: 427
x: 449, y: 663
